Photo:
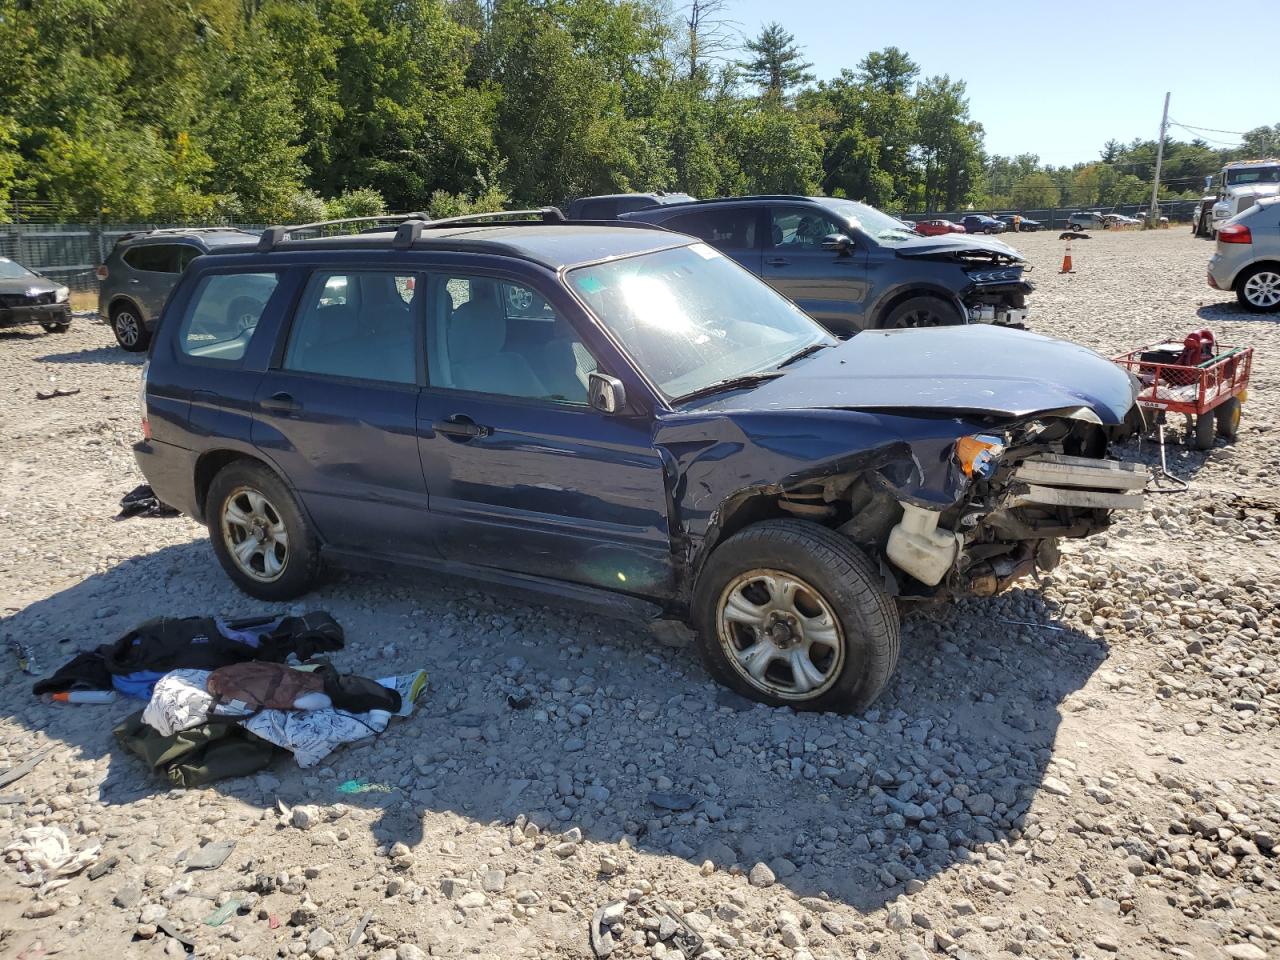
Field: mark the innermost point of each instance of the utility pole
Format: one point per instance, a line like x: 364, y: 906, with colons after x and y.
x: 1153, y: 219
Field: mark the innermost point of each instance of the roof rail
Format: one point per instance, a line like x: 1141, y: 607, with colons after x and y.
x: 274, y: 235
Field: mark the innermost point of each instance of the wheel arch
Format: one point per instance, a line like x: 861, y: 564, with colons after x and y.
x: 1249, y: 268
x: 212, y: 462
x: 123, y: 299
x: 903, y: 294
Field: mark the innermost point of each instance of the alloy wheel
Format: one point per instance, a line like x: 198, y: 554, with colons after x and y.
x: 1263, y: 289
x: 128, y: 328
x: 255, y: 535
x: 780, y: 634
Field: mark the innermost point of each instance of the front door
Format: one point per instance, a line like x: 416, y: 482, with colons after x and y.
x: 830, y: 287
x: 337, y: 411
x: 524, y: 475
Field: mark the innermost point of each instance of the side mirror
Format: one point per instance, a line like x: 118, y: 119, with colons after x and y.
x: 837, y: 243
x: 607, y: 393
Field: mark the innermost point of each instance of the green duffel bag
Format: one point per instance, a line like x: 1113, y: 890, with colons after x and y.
x: 200, y: 755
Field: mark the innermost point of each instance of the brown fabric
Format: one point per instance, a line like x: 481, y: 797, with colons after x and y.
x: 262, y: 686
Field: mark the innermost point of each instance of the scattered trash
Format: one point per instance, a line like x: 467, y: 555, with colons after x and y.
x: 14, y: 774
x: 172, y: 930
x: 85, y: 696
x: 362, y: 785
x: 141, y: 501
x: 676, y: 802
x: 1030, y: 623
x: 211, y: 855
x: 223, y: 913
x: 46, y: 858
x: 9, y: 798
x: 273, y: 921
x: 358, y: 933
x: 56, y: 392
x: 523, y: 701
x: 100, y: 870
x: 654, y: 915
x: 26, y: 659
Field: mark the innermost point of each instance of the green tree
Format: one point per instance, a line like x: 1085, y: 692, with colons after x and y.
x: 1035, y: 191
x: 1260, y: 142
x: 776, y: 64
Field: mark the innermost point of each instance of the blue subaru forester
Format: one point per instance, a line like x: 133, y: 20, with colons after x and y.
x: 620, y: 414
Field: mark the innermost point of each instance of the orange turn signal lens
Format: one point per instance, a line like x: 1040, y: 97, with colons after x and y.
x: 978, y: 454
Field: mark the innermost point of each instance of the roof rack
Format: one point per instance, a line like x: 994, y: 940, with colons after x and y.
x: 274, y: 235
x: 166, y: 231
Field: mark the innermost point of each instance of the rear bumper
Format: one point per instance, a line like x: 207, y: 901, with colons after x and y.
x: 44, y: 313
x: 171, y: 471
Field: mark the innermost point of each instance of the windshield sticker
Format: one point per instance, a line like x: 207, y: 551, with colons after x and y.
x: 589, y: 284
x: 704, y: 251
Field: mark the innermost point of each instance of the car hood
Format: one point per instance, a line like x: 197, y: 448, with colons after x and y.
x: 946, y: 243
x: 965, y: 369
x: 21, y: 285
x: 1254, y: 190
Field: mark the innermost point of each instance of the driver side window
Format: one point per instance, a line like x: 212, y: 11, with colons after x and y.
x: 801, y: 228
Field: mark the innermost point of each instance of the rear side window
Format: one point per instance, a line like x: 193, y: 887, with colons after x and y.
x: 725, y: 229
x: 356, y: 324
x: 599, y: 210
x: 156, y: 258
x: 224, y: 313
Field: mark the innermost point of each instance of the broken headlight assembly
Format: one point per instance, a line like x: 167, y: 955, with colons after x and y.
x: 979, y: 455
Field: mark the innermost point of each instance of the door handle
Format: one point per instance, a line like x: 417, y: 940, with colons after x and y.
x: 134, y: 280
x: 778, y: 262
x: 281, y: 402
x: 461, y: 428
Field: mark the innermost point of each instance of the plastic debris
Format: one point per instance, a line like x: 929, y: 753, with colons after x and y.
x: 100, y: 870
x: 211, y: 855
x: 362, y: 785
x: 223, y: 913
x: 46, y: 858
x: 676, y: 802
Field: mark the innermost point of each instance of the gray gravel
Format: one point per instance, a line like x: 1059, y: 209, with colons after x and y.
x: 1083, y: 770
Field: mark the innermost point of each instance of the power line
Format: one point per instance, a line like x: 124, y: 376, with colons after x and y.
x: 1191, y: 126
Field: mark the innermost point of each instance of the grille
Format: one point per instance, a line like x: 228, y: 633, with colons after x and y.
x: 23, y: 300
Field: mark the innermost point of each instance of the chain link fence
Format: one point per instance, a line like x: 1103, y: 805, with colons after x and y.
x: 1058, y: 217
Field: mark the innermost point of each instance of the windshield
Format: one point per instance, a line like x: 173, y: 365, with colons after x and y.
x: 13, y: 271
x: 1253, y: 175
x: 691, y: 318
x: 879, y: 226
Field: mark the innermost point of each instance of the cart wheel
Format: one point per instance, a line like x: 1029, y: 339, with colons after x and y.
x: 1228, y: 417
x: 1205, y: 431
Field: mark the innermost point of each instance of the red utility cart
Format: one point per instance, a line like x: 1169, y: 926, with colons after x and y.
x: 1210, y: 393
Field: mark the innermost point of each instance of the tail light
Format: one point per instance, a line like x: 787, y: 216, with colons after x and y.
x: 142, y: 401
x: 102, y: 271
x: 1235, y: 233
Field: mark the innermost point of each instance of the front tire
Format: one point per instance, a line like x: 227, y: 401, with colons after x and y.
x: 258, y: 533
x: 922, y: 312
x: 1258, y: 289
x: 789, y: 613
x: 131, y: 333
x: 1205, y: 431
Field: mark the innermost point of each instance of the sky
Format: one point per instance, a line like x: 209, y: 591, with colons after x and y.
x: 1059, y: 78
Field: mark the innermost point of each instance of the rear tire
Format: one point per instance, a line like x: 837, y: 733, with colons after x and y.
x: 1258, y: 288
x: 922, y: 312
x: 796, y: 593
x: 259, y: 535
x: 1228, y: 419
x: 1206, y: 430
x: 131, y: 333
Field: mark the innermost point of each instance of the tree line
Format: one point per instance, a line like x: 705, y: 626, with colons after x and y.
x: 294, y: 110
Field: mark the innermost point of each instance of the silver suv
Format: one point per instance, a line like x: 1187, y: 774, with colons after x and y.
x: 141, y: 270
x: 1248, y: 257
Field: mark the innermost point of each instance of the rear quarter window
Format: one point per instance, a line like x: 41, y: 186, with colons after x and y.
x: 223, y: 314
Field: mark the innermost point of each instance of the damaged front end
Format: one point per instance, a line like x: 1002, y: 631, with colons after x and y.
x: 1019, y: 492
x: 997, y: 290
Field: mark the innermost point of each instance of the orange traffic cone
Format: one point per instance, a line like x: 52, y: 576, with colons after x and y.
x: 1066, y: 260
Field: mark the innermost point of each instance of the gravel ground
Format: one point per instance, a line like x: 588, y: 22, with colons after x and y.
x: 1086, y: 769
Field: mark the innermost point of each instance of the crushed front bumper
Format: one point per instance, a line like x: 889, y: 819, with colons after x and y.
x: 46, y: 313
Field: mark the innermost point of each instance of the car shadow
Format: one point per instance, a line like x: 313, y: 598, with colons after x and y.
x: 109, y: 354
x: 575, y: 720
x: 1230, y: 311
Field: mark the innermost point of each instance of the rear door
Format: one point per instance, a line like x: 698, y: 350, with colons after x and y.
x: 154, y: 269
x: 525, y: 476
x: 736, y: 231
x: 336, y: 410
x: 830, y: 287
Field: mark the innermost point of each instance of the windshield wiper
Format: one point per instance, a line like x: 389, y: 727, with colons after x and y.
x: 806, y: 352
x: 731, y: 383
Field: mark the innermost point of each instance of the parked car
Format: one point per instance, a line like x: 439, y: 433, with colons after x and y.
x: 1087, y: 221
x: 28, y: 299
x: 625, y: 416
x: 1241, y: 184
x: 851, y: 267
x: 141, y: 270
x: 1115, y: 221
x: 981, y: 223
x: 1025, y: 224
x: 611, y: 206
x: 1247, y: 259
x: 937, y: 228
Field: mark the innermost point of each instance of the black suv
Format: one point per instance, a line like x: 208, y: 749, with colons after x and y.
x: 853, y: 268
x: 611, y: 206
x: 623, y: 415
x: 141, y: 270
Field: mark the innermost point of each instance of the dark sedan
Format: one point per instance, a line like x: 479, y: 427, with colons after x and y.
x: 981, y: 223
x: 27, y: 298
x: 1019, y: 224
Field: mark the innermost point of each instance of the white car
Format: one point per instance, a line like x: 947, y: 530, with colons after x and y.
x: 1247, y: 259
